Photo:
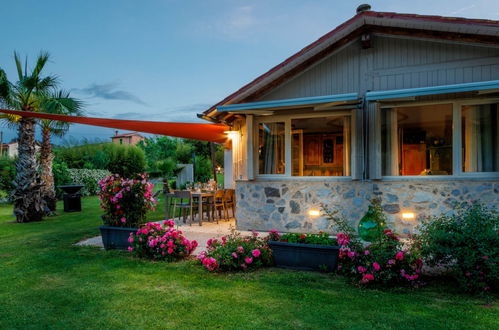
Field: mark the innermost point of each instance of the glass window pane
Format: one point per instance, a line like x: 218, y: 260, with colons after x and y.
x: 417, y: 140
x: 320, y: 146
x: 271, y: 148
x: 480, y: 138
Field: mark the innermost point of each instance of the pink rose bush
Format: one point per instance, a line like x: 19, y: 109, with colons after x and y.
x: 157, y: 242
x: 382, y: 262
x: 236, y: 253
x: 126, y: 201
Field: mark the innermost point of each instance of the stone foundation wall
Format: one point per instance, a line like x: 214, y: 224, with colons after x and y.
x: 284, y: 205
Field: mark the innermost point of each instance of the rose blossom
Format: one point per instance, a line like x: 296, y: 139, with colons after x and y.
x: 256, y: 253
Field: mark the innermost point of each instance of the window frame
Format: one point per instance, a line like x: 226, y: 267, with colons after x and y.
x: 457, y: 147
x: 286, y: 119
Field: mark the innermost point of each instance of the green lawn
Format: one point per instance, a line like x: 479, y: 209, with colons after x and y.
x: 47, y: 282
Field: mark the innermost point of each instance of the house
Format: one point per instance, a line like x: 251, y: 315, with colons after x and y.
x: 11, y: 149
x: 127, y: 138
x: 401, y: 107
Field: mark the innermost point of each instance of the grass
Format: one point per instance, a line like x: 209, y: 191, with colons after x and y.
x: 47, y: 282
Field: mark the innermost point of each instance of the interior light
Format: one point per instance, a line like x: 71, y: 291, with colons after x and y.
x: 408, y: 215
x: 314, y: 213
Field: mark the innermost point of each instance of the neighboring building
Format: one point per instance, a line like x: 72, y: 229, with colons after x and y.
x: 11, y: 149
x: 127, y: 138
x: 397, y: 106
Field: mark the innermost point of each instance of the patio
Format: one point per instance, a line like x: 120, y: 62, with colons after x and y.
x: 199, y: 233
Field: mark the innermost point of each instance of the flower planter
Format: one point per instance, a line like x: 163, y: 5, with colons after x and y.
x: 116, y: 237
x: 304, y: 256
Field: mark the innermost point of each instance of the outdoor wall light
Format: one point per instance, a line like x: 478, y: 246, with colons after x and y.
x: 408, y: 215
x: 231, y: 134
x: 314, y: 213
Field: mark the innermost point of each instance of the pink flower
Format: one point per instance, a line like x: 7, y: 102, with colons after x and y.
x: 399, y: 255
x: 123, y: 219
x: 361, y: 269
x: 130, y: 239
x: 391, y: 262
x: 366, y: 252
x: 240, y: 249
x: 243, y: 266
x: 130, y: 248
x: 376, y: 266
x: 248, y: 260
x: 343, y: 239
x: 162, y: 246
x: 351, y: 254
x: 367, y: 277
x: 256, y: 253
x: 234, y: 255
x: 170, y: 250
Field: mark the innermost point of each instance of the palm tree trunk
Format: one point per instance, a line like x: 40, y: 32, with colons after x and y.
x: 28, y: 202
x: 46, y: 158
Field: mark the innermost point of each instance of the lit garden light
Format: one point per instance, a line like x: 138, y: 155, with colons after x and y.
x: 314, y: 213
x: 408, y: 215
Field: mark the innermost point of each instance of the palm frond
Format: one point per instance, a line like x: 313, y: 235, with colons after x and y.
x: 19, y: 65
x: 5, y: 89
x: 40, y: 63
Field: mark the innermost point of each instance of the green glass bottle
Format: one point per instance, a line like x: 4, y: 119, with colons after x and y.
x: 372, y: 224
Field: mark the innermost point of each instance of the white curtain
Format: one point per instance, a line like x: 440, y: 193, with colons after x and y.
x: 273, y: 148
x: 391, y: 146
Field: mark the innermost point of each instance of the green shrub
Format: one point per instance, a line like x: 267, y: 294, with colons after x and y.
x: 7, y: 173
x: 385, y: 261
x: 62, y: 176
x: 125, y: 160
x: 317, y: 239
x: 88, y: 178
x: 468, y: 242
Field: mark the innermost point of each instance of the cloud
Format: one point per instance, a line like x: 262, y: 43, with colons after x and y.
x: 463, y: 9
x: 109, y: 92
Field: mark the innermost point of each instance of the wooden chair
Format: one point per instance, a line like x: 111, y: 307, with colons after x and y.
x: 229, y: 200
x: 219, y: 204
x: 183, y: 201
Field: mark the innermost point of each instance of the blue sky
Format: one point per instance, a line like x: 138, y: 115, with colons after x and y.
x: 168, y: 60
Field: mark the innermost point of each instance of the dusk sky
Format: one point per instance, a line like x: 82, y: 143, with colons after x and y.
x: 168, y: 60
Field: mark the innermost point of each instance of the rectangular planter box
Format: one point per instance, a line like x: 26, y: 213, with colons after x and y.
x: 116, y: 237
x: 304, y: 256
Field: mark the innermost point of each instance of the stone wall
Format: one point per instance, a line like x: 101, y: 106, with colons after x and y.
x: 284, y: 205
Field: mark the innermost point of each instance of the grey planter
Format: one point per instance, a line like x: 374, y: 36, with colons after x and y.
x: 305, y: 256
x: 116, y: 237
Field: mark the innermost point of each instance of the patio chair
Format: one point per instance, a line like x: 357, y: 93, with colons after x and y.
x: 183, y: 201
x: 219, y: 204
x: 229, y: 200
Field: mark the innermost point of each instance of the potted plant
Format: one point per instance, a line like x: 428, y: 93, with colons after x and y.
x: 304, y: 251
x: 125, y: 203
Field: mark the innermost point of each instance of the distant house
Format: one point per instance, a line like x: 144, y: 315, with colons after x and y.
x: 401, y: 107
x: 128, y: 138
x: 11, y: 149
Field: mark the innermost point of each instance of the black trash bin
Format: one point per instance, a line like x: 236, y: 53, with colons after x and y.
x: 71, y: 197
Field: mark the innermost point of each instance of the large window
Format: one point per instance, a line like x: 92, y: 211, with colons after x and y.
x: 271, y: 148
x: 440, y: 139
x: 417, y: 140
x: 480, y: 138
x: 320, y: 146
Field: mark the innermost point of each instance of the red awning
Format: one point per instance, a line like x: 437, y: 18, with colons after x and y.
x: 196, y: 131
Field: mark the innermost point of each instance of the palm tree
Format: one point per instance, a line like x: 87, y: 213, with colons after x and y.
x: 27, y: 94
x: 59, y: 103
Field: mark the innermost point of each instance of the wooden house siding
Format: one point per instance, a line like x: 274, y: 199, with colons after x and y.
x: 393, y: 63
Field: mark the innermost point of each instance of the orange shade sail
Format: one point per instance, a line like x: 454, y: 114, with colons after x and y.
x: 195, y: 131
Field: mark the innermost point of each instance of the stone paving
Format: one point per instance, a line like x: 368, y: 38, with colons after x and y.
x: 195, y: 232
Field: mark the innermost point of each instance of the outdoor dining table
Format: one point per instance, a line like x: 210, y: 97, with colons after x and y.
x: 195, y: 194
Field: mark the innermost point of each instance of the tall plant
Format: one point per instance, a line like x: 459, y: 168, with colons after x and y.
x: 27, y: 94
x: 59, y: 103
